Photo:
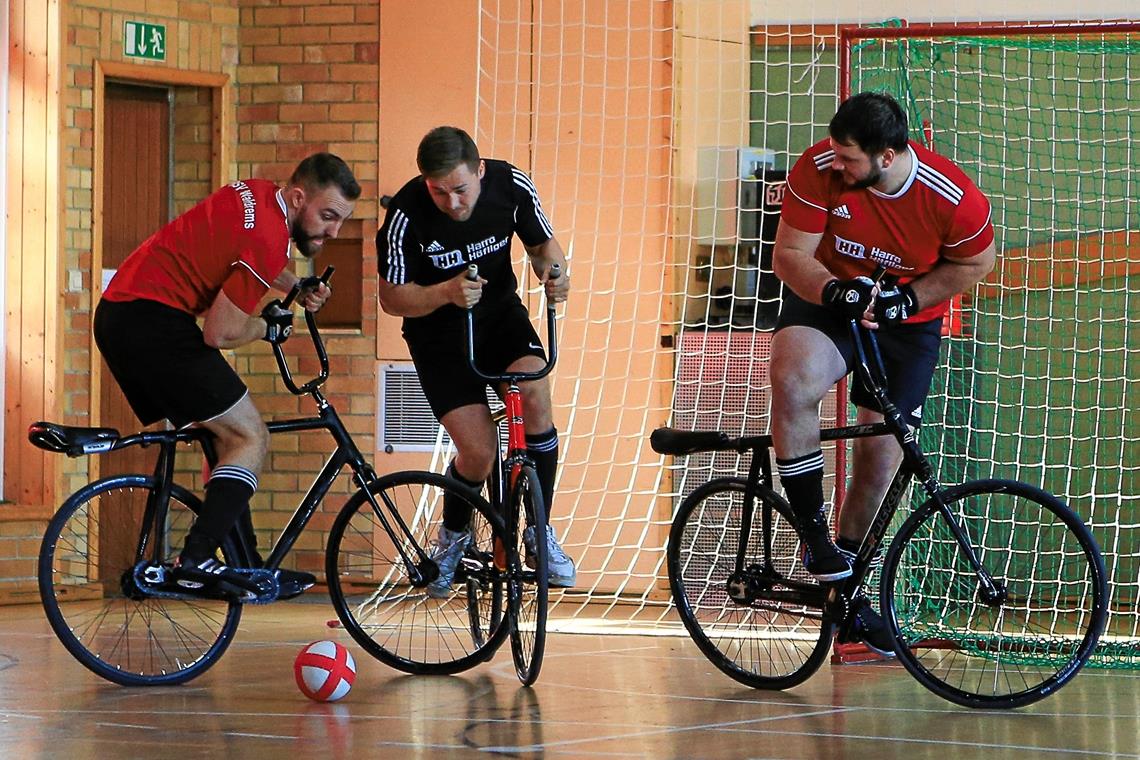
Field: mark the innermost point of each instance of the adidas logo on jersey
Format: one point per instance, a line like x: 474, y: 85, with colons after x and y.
x: 434, y: 247
x: 842, y: 212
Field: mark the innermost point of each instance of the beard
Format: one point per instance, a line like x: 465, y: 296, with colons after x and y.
x: 872, y: 179
x: 308, y: 245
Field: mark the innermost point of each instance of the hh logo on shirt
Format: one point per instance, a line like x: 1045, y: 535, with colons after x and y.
x: 850, y: 248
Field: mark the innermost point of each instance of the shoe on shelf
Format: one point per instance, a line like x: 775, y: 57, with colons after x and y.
x: 868, y: 626
x: 820, y: 556
x: 560, y: 571
x: 446, y: 552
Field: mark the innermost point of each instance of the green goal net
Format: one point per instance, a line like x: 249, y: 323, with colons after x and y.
x: 1041, y: 375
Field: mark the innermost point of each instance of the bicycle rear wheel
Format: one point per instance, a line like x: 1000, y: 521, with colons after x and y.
x: 388, y: 613
x: 998, y: 650
x: 86, y: 571
x: 528, y: 586
x: 771, y: 636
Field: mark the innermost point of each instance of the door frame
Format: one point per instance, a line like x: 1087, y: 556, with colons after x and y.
x: 222, y: 126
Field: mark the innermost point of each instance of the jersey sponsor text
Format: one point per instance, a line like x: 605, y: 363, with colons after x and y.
x: 248, y: 204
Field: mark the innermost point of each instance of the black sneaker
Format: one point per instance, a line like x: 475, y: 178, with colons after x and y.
x: 869, y: 627
x: 820, y: 556
x: 211, y: 576
x: 293, y: 583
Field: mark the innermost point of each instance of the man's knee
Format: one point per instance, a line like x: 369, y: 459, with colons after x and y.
x: 474, y: 462
x: 249, y: 435
x: 536, y: 396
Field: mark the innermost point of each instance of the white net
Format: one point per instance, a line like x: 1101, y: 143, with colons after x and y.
x: 657, y: 134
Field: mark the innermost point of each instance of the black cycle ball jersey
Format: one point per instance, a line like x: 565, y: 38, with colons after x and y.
x: 420, y: 244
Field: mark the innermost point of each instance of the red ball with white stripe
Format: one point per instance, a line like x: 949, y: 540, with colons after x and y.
x: 324, y: 671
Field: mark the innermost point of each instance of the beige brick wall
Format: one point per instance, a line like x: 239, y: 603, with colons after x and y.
x: 307, y: 81
x: 303, y: 78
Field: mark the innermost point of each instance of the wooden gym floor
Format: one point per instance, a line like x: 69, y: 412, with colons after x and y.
x: 599, y: 696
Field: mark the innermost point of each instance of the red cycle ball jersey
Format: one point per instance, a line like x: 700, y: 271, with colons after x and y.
x: 235, y: 241
x: 937, y: 213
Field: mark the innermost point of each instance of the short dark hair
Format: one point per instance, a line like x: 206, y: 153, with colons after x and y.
x: 872, y: 120
x: 445, y: 148
x: 323, y: 169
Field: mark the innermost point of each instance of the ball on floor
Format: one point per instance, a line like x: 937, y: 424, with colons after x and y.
x: 324, y: 671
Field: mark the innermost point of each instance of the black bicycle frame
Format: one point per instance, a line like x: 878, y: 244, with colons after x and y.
x: 516, y: 436
x: 345, y: 453
x: 914, y: 463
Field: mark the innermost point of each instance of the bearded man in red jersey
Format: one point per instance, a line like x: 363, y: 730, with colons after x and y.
x: 865, y: 200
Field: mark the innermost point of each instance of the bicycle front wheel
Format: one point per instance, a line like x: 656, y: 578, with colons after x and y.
x: 380, y: 600
x: 764, y: 627
x: 1015, y: 642
x: 86, y: 581
x: 528, y: 586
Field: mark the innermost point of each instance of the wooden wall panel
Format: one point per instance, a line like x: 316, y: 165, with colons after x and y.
x: 32, y: 243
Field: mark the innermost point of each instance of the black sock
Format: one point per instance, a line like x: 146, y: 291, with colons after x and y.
x: 543, y: 449
x: 802, y: 479
x: 227, y: 496
x: 244, y: 527
x: 456, y: 512
x: 851, y: 546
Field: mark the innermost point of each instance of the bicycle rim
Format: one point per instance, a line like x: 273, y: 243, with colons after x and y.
x: 529, y: 585
x: 771, y: 643
x: 128, y: 640
x: 1003, y: 652
x: 387, y: 614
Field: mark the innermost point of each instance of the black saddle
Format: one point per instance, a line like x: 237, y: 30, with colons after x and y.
x: 679, y: 442
x: 73, y: 441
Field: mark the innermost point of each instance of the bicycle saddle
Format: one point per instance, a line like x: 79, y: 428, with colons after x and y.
x: 73, y: 441
x: 678, y: 442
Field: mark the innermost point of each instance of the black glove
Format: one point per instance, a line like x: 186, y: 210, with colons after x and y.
x: 894, y: 305
x: 278, y: 322
x: 849, y: 297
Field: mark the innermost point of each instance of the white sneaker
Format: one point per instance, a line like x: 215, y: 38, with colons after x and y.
x: 447, y: 552
x: 560, y: 570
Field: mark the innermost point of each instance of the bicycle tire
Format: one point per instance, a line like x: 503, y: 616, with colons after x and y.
x: 128, y: 640
x: 1002, y: 652
x: 387, y: 614
x: 766, y: 644
x: 528, y: 587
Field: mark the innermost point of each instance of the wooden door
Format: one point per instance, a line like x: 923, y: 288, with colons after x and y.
x: 135, y: 191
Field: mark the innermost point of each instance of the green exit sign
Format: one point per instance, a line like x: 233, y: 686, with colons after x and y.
x: 144, y: 40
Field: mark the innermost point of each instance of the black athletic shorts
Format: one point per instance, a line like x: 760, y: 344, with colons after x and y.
x: 440, y: 356
x: 909, y: 351
x: 161, y: 361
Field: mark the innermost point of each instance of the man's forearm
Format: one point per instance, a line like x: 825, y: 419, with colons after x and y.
x: 949, y: 277
x: 412, y: 300
x: 285, y: 281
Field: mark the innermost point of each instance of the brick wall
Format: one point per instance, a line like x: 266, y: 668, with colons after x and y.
x: 21, y: 529
x: 307, y: 82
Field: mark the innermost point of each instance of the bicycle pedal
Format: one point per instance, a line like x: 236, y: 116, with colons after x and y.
x: 154, y: 581
x: 268, y: 587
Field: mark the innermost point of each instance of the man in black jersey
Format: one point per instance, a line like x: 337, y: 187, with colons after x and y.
x: 463, y: 210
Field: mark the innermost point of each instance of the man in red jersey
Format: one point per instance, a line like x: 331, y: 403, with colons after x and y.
x: 217, y: 261
x: 864, y: 198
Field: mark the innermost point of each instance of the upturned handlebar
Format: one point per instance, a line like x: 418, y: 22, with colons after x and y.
x: 551, y: 338
x: 314, y: 333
